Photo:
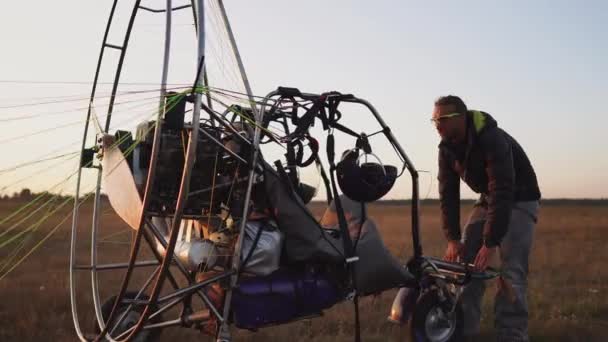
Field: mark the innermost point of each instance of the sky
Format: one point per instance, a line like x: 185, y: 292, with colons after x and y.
x: 540, y: 68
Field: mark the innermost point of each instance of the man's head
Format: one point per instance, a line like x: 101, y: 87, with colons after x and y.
x: 450, y: 119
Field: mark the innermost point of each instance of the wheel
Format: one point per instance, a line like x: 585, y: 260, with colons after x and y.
x: 148, y: 335
x: 432, y: 320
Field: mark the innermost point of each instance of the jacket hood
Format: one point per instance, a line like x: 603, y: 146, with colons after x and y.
x: 481, y: 121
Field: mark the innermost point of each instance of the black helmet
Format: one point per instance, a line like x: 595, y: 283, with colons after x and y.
x: 366, y: 182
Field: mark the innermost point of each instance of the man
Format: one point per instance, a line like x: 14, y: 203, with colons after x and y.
x: 473, y: 148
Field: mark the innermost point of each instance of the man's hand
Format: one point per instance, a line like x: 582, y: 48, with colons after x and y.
x: 484, y: 256
x: 454, y: 251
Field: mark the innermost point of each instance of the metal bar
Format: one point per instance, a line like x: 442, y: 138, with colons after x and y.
x: 174, y: 322
x: 150, y: 326
x: 149, y: 180
x: 164, y: 10
x: 237, y: 55
x: 211, y: 306
x: 205, y: 78
x: 124, y: 314
x: 408, y: 163
x: 150, y: 239
x: 236, y: 261
x: 113, y: 46
x: 195, y: 287
x: 121, y: 60
x: 116, y: 266
x: 161, y: 238
x: 441, y: 266
x: 226, y: 125
x: 218, y: 186
x: 77, y: 192
x: 185, y: 181
x: 208, y: 95
x: 135, y: 301
x: 95, y: 226
x: 182, y: 269
x: 220, y: 144
x: 165, y: 308
x: 412, y: 170
x: 166, y: 56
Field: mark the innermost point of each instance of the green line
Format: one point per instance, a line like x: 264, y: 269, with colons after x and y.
x: 172, y: 102
x: 41, y: 241
x: 15, y: 225
x: 16, y: 251
x: 32, y: 227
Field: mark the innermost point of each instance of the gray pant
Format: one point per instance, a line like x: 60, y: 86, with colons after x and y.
x: 510, y: 305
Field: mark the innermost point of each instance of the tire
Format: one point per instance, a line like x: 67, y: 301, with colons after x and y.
x: 149, y: 335
x: 429, y: 323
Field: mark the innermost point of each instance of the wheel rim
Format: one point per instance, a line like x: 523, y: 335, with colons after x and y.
x: 438, y: 326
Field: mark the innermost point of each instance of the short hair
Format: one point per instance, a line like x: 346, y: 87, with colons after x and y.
x: 453, y: 101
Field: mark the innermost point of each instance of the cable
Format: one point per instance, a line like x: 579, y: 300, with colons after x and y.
x: 53, y: 230
x: 25, y: 117
x: 43, y: 159
x: 116, y: 143
x: 46, y: 130
x: 37, y: 161
x: 84, y: 82
x: 71, y: 100
x: 32, y: 228
x: 86, y: 97
x: 39, y: 172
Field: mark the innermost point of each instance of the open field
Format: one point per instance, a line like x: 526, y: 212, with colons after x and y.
x: 568, y: 283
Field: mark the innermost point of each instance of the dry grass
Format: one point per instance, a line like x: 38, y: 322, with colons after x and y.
x: 568, y: 291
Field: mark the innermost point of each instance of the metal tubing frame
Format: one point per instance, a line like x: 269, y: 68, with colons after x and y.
x: 221, y: 120
x: 234, y: 155
x: 205, y: 78
x: 157, y: 263
x: 181, y: 268
x: 218, y: 186
x: 236, y: 259
x: 164, y: 10
x: 183, y: 194
x: 410, y: 167
x: 139, y: 293
x: 195, y: 287
x: 415, y: 229
x: 161, y: 238
x: 149, y: 181
x: 185, y: 180
x: 117, y: 266
x: 191, y: 150
x: 84, y: 139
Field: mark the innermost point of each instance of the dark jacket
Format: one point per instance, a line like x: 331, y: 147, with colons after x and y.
x: 492, y: 164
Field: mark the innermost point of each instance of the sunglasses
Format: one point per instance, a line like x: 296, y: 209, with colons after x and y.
x: 437, y: 120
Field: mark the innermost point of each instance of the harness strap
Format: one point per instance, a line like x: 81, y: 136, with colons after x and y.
x: 348, y: 245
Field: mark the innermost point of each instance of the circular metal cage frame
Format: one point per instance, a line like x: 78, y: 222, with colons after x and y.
x: 155, y: 304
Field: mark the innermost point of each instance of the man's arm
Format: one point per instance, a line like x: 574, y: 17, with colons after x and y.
x: 501, y: 180
x: 449, y: 198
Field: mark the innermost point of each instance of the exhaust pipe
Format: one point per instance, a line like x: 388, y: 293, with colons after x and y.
x: 403, y: 305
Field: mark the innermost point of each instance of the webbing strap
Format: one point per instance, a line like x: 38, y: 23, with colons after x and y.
x: 348, y: 244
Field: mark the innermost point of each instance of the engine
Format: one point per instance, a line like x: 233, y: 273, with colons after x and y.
x: 212, y: 173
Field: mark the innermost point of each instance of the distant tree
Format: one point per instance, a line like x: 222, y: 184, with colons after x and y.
x: 25, y: 193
